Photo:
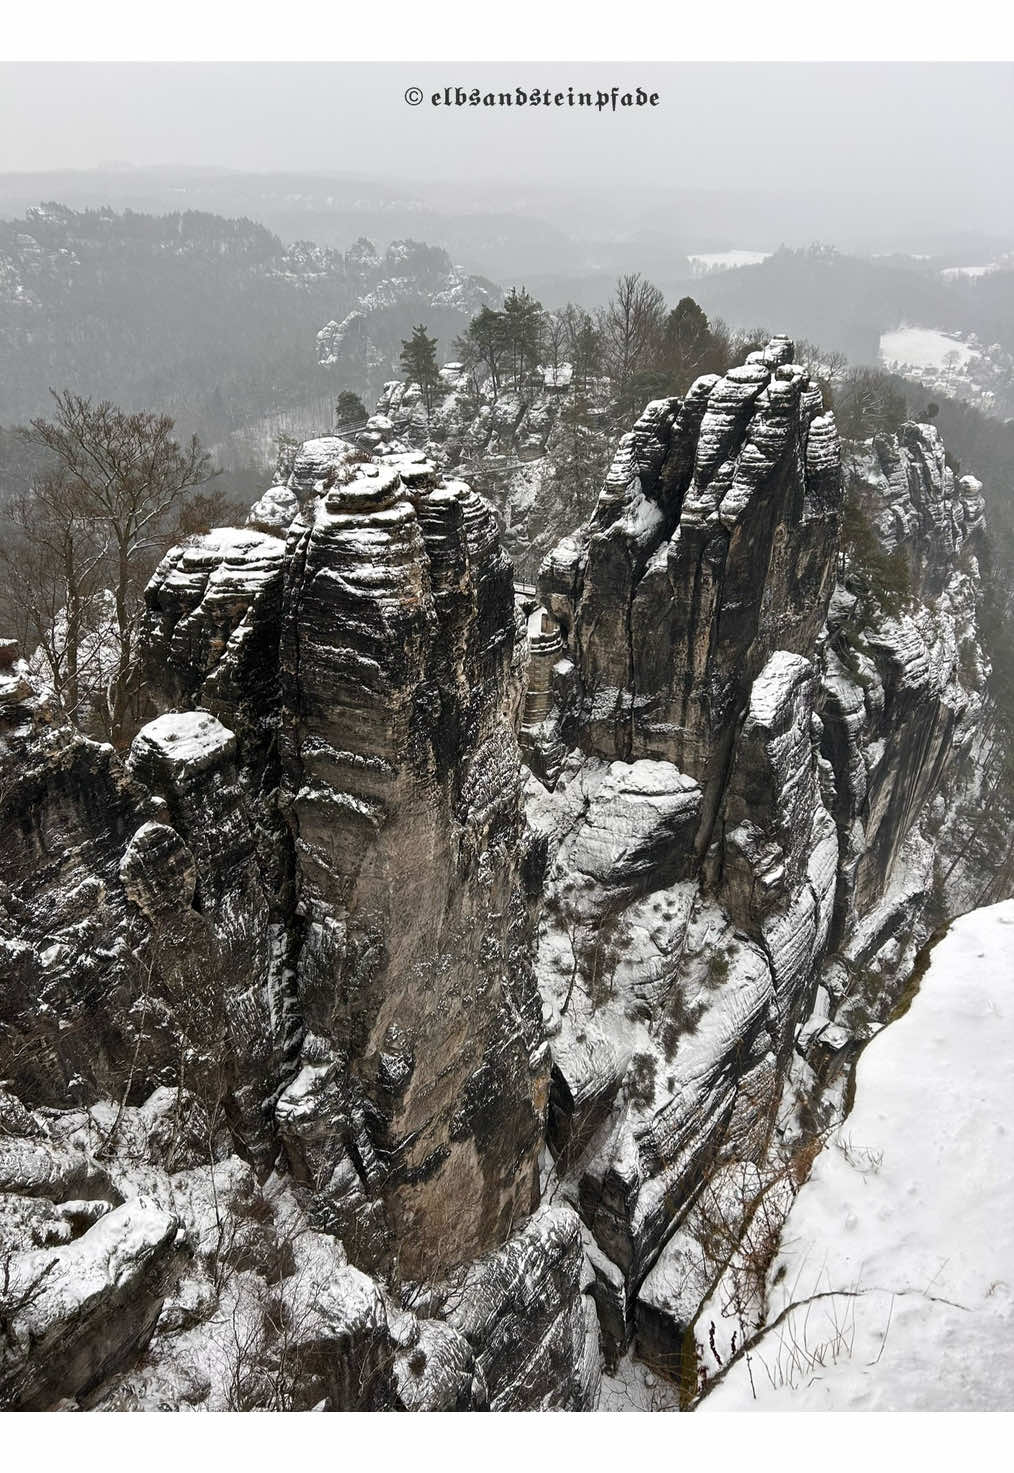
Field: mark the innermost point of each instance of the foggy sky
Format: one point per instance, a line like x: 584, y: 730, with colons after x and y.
x: 939, y: 132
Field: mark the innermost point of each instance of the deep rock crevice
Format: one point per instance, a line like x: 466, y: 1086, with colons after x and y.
x: 324, y: 999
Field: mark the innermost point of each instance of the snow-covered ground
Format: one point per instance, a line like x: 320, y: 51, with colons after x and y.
x: 907, y: 1222
x: 725, y: 260
x: 921, y: 347
x: 635, y: 1388
x: 946, y: 363
x: 1002, y: 263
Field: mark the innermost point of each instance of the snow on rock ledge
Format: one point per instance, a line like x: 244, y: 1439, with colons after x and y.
x: 911, y: 1206
x: 86, y: 1308
x: 184, y: 740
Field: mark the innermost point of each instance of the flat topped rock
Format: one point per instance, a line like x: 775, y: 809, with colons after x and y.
x: 190, y: 738
x: 235, y: 545
x: 647, y: 778
x: 414, y: 468
x: 748, y: 373
x: 372, y: 488
x: 323, y: 449
x: 778, y: 350
x: 318, y: 460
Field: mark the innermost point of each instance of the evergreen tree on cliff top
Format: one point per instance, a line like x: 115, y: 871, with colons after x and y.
x: 523, y: 326
x: 419, y: 364
x: 350, y: 411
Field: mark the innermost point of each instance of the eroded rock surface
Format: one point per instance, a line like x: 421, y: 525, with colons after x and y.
x: 716, y: 637
x: 308, y: 896
x: 403, y: 792
x: 350, y: 1062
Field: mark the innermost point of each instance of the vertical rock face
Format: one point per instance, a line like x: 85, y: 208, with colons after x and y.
x: 309, y: 896
x: 295, y: 992
x: 188, y: 760
x: 712, y: 546
x: 403, y: 793
x: 917, y: 504
x: 901, y: 691
x: 716, y: 667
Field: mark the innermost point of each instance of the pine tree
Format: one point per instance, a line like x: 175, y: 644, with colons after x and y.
x: 419, y: 364
x: 523, y: 332
x: 350, y: 411
x: 484, y: 346
x: 686, y: 344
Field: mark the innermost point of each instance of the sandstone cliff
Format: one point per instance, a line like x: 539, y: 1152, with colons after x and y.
x: 746, y: 761
x: 297, y: 996
x: 537, y: 456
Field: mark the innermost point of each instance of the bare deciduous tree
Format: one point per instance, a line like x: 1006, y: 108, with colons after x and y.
x: 632, y: 328
x: 121, y: 482
x: 52, y: 556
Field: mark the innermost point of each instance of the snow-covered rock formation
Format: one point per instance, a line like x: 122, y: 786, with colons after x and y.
x: 750, y: 758
x: 303, y: 909
x: 537, y: 453
x: 297, y: 992
x: 905, y: 1230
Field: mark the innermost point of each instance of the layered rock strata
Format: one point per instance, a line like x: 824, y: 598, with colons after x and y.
x: 297, y: 991
x: 727, y: 660
x: 402, y: 789
x: 308, y: 898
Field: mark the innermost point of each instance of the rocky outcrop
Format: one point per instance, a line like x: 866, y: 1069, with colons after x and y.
x: 728, y: 660
x: 124, y: 952
x: 537, y: 452
x: 711, y: 547
x: 308, y: 897
x: 297, y: 991
x: 211, y: 636
x: 74, y: 1315
x: 903, y: 680
x: 526, y: 1315
x: 403, y: 792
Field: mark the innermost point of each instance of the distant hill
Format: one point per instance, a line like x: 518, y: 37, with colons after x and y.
x: 846, y: 302
x: 212, y: 319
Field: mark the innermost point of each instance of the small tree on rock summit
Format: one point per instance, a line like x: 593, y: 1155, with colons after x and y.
x: 419, y: 364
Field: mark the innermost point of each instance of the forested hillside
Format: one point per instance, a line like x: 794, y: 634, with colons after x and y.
x: 212, y: 320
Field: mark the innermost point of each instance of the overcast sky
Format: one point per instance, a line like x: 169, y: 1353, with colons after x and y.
x: 936, y: 127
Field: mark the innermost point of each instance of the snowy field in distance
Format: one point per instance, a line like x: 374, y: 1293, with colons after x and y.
x: 1002, y: 263
x: 921, y: 347
x: 913, y: 1205
x: 725, y: 260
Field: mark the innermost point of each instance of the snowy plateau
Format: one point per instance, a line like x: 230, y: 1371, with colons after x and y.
x: 898, y: 1251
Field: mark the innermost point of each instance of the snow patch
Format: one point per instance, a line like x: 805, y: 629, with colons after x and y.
x: 910, y: 1208
x: 922, y: 347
